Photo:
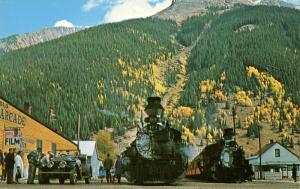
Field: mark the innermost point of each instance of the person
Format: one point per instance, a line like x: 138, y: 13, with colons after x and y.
x: 3, y: 177
x: 46, y: 159
x: 108, y: 163
x: 1, y: 162
x: 9, y: 166
x: 18, y: 169
x: 118, y: 168
x: 294, y: 172
x: 101, y: 172
x: 33, y: 159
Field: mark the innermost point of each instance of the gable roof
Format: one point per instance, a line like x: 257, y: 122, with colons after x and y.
x: 268, y: 146
x: 30, y: 116
x: 87, y: 147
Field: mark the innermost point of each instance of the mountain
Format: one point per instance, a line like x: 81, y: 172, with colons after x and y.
x: 180, y: 10
x: 238, y: 56
x: 21, y: 41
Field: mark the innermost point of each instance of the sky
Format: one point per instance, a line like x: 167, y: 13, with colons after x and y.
x: 22, y: 16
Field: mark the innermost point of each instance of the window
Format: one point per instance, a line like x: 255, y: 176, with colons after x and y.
x: 53, y: 148
x: 277, y: 152
x: 39, y: 144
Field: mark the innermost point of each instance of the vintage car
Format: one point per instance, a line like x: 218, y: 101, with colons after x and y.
x: 63, y: 167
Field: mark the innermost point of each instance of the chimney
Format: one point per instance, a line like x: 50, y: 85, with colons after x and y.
x: 27, y: 108
x: 271, y: 141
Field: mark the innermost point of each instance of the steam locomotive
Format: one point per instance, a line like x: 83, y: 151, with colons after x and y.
x: 156, y: 156
x: 223, y: 161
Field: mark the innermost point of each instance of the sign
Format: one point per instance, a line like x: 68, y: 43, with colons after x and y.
x: 6, y: 114
x: 13, y: 136
x: 273, y: 175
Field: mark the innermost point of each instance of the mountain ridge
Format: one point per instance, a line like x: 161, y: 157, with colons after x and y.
x: 17, y: 41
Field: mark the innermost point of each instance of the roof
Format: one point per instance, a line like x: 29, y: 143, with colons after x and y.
x: 267, y: 147
x: 30, y: 116
x: 87, y: 147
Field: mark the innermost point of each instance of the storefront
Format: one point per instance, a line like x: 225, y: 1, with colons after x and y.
x: 18, y: 129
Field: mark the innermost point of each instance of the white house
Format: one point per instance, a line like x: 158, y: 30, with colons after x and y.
x: 276, y: 160
x: 89, y: 148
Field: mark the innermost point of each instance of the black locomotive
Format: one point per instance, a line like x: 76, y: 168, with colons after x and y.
x: 156, y: 155
x: 223, y: 161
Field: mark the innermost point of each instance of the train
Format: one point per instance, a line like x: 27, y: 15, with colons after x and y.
x: 157, y: 155
x: 223, y: 161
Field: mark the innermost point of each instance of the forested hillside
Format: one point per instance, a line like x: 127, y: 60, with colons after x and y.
x: 267, y: 38
x: 104, y: 73
x: 243, y: 56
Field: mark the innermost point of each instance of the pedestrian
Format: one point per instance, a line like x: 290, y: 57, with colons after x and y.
x: 101, y: 172
x: 33, y: 159
x: 294, y: 172
x: 3, y: 177
x: 108, y: 163
x: 118, y: 168
x: 1, y: 162
x: 9, y: 166
x: 18, y: 169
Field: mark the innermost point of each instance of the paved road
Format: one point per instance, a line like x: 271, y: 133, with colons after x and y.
x: 184, y: 184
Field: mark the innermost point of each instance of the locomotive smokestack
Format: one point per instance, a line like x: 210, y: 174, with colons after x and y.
x: 154, y: 108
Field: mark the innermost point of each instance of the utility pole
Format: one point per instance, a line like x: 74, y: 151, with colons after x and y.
x: 78, y: 133
x: 259, y: 142
x: 233, y: 116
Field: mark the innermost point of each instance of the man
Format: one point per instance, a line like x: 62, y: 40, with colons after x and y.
x: 9, y: 166
x: 3, y: 178
x: 33, y: 159
x: 1, y: 162
x: 108, y: 163
x: 118, y: 168
x: 294, y: 172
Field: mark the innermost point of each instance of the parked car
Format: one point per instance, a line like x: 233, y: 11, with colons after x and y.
x: 63, y: 167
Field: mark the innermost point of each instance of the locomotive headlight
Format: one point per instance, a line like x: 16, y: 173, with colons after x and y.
x: 153, y: 119
x: 62, y: 164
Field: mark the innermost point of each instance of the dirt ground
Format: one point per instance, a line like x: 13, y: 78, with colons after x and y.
x: 185, y: 183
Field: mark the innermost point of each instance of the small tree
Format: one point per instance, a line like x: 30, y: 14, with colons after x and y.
x: 105, y: 144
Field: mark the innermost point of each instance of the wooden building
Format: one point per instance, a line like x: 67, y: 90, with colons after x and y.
x: 276, y: 161
x: 18, y: 129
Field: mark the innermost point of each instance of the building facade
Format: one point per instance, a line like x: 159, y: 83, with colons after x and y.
x: 19, y: 130
x: 89, y: 148
x: 276, y: 162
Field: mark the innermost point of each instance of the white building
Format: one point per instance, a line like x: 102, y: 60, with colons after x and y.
x: 89, y: 148
x: 276, y: 160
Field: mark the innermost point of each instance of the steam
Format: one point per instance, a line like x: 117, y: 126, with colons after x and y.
x: 191, y: 151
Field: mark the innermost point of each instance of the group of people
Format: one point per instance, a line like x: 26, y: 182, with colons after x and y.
x: 12, y: 165
x: 110, y: 170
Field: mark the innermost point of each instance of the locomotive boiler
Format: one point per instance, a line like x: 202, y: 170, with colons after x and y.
x: 156, y: 155
x: 223, y: 161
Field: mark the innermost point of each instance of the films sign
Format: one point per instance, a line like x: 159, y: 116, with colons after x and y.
x: 13, y: 136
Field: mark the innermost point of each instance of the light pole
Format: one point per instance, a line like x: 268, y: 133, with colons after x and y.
x: 233, y: 116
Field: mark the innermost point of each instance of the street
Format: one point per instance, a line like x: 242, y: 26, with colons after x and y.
x: 185, y: 183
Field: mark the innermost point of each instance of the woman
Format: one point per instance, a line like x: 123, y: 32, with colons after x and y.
x: 18, y: 169
x: 101, y: 172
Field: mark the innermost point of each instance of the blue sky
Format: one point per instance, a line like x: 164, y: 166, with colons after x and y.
x: 22, y: 16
